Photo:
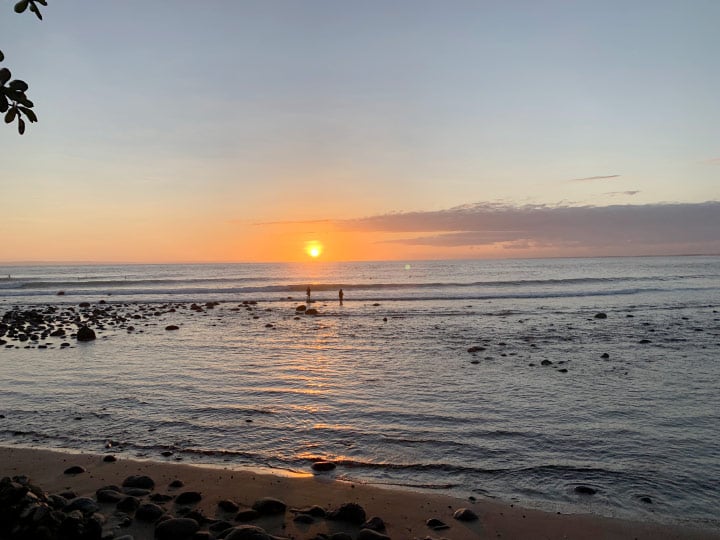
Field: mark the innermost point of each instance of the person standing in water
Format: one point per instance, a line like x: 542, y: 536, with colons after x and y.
x: 340, y: 296
x: 308, y: 295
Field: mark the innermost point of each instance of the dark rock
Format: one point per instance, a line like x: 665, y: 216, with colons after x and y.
x: 109, y: 459
x: 315, y: 511
x: 85, y: 504
x: 84, y: 304
x: 75, y: 469
x: 322, y: 466
x: 85, y: 334
x: 148, y: 512
x: 546, y: 363
x: 605, y: 355
x: 349, y: 512
x: 269, y: 506
x: 374, y: 523
x: 304, y: 518
x: 436, y: 524
x: 563, y: 370
x: 108, y: 496
x: 475, y: 349
x: 160, y: 497
x: 369, y: 534
x: 465, y: 514
x: 248, y: 532
x: 176, y: 484
x: 601, y: 315
x: 247, y: 514
x: 136, y: 492
x: 128, y: 504
x: 139, y: 481
x: 172, y: 327
x: 227, y: 505
x: 188, y: 497
x: 644, y: 341
x: 220, y: 526
x: 301, y: 307
x: 585, y: 490
x: 646, y: 500
x: 176, y: 529
x: 340, y: 536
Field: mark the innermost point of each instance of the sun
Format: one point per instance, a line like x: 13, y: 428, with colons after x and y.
x: 313, y: 248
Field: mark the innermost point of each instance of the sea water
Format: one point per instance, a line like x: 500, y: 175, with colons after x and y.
x: 384, y: 385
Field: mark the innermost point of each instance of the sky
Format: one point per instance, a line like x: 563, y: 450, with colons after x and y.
x: 179, y: 131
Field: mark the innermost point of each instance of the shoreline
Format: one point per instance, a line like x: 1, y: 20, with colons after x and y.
x: 404, y: 512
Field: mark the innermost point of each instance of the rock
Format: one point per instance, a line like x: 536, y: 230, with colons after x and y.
x: 601, y: 315
x: 646, y: 500
x: 644, y: 341
x: 585, y: 490
x: 148, y: 512
x: 546, y: 363
x: 311, y: 311
x: 374, y: 523
x: 605, y: 355
x: 226, y: 505
x: 136, y: 492
x: 85, y: 504
x: 475, y: 349
x: 188, y: 497
x: 369, y: 534
x: 248, y: 514
x: 176, y: 484
x: 75, y: 469
x: 160, y: 497
x: 139, y: 481
x: 301, y: 307
x: 465, y: 514
x: 563, y: 370
x: 304, y: 518
x: 269, y: 506
x: 248, y: 532
x: 436, y: 524
x: 109, y: 459
x: 176, y: 529
x: 172, y: 327
x: 108, y: 496
x: 315, y: 511
x: 340, y: 536
x: 220, y: 526
x: 85, y: 334
x: 128, y: 504
x: 349, y: 512
x: 322, y: 466
x: 84, y: 304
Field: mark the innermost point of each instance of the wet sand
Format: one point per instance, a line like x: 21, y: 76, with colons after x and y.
x: 404, y: 513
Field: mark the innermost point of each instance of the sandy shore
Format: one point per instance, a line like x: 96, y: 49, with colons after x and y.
x: 404, y: 513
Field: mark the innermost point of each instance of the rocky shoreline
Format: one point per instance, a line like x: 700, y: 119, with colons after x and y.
x: 91, y: 497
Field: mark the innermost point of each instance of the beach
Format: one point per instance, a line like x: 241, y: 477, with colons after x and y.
x: 585, y: 387
x: 404, y: 513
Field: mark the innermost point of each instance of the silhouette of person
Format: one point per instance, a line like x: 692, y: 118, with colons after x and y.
x: 308, y: 294
x: 340, y: 296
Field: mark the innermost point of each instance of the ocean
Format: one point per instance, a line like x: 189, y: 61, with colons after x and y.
x: 521, y: 380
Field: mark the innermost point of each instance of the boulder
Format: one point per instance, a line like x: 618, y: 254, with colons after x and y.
x: 176, y: 529
x: 139, y: 481
x: 465, y: 514
x: 349, y: 512
x: 269, y: 506
x: 85, y: 334
x: 188, y: 497
x: 248, y: 532
x: 322, y: 466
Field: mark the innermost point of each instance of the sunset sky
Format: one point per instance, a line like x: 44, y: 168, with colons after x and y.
x: 244, y: 130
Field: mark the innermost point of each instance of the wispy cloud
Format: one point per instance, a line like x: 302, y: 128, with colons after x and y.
x: 593, y: 178
x: 625, y: 228
x: 712, y: 161
x: 618, y: 193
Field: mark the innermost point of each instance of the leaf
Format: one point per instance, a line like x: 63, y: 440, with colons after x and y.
x: 4, y: 76
x: 21, y: 126
x: 21, y: 6
x: 29, y: 113
x: 35, y: 10
x: 4, y: 104
x: 20, y: 86
x: 43, y: 2
x: 2, y: 56
x: 10, y: 116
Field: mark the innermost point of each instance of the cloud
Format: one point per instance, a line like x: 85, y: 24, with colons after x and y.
x: 712, y: 161
x: 616, y: 193
x: 622, y: 228
x: 591, y: 178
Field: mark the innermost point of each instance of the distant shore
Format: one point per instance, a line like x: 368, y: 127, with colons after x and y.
x: 404, y: 514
